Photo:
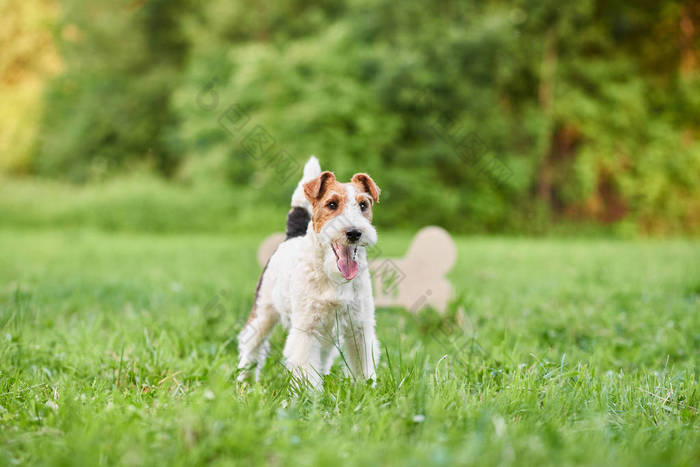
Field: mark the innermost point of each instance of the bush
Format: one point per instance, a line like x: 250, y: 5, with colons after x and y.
x: 110, y: 111
x: 496, y: 116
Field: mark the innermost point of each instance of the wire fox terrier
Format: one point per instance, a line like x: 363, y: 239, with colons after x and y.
x: 317, y: 283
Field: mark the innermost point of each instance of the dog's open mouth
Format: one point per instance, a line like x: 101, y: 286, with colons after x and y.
x: 347, y: 259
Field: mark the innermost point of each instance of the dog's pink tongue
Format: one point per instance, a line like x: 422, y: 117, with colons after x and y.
x: 346, y: 264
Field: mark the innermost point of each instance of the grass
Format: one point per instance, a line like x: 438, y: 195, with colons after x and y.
x: 137, y: 202
x: 119, y: 348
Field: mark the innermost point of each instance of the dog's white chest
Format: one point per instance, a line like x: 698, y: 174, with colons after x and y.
x: 335, y: 296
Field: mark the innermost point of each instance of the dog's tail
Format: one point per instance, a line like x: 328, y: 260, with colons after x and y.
x: 300, y: 214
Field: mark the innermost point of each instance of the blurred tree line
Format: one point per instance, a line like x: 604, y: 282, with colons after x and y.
x: 27, y: 57
x: 478, y: 116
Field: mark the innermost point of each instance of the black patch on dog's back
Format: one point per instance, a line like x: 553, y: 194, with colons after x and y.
x: 297, y: 222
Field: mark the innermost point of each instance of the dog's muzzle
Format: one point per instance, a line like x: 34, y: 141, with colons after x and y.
x: 353, y: 235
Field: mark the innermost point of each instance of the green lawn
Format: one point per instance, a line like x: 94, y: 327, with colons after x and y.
x: 119, y: 348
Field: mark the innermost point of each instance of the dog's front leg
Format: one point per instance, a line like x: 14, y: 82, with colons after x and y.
x: 361, y: 350
x: 301, y: 355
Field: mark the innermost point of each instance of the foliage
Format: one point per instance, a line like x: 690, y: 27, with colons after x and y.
x: 28, y: 58
x: 479, y: 116
x: 119, y: 349
x: 110, y: 109
x: 471, y: 116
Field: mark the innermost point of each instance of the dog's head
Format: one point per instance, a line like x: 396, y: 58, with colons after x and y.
x: 342, y: 219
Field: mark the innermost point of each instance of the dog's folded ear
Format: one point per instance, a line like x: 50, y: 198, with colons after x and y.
x: 367, y: 185
x: 314, y: 189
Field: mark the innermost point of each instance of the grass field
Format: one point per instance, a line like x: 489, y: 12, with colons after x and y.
x: 119, y: 348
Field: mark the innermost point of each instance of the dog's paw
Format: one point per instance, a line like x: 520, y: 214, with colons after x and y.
x: 244, y: 375
x: 306, y: 376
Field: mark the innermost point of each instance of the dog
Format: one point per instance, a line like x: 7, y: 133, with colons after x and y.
x: 317, y: 283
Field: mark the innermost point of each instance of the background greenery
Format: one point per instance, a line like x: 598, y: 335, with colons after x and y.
x: 497, y: 116
x: 130, y: 219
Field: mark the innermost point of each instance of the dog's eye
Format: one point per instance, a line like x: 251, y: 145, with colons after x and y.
x: 363, y: 206
x: 332, y: 205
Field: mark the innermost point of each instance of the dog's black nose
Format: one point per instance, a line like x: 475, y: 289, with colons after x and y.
x: 353, y: 235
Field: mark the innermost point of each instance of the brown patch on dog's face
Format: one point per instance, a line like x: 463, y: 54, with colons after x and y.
x: 327, y: 196
x: 364, y: 201
x: 365, y: 184
x: 368, y: 193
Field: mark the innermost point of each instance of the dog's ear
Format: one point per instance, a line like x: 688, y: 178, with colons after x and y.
x: 314, y: 189
x: 367, y: 185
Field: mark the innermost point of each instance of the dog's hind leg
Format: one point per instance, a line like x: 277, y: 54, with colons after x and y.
x: 253, y: 340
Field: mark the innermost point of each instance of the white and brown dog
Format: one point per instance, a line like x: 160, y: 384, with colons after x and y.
x: 317, y: 283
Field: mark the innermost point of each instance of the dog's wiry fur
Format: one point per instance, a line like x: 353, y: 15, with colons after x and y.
x: 317, y: 283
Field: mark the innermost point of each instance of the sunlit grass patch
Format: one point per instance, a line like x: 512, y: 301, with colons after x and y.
x: 119, y: 348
